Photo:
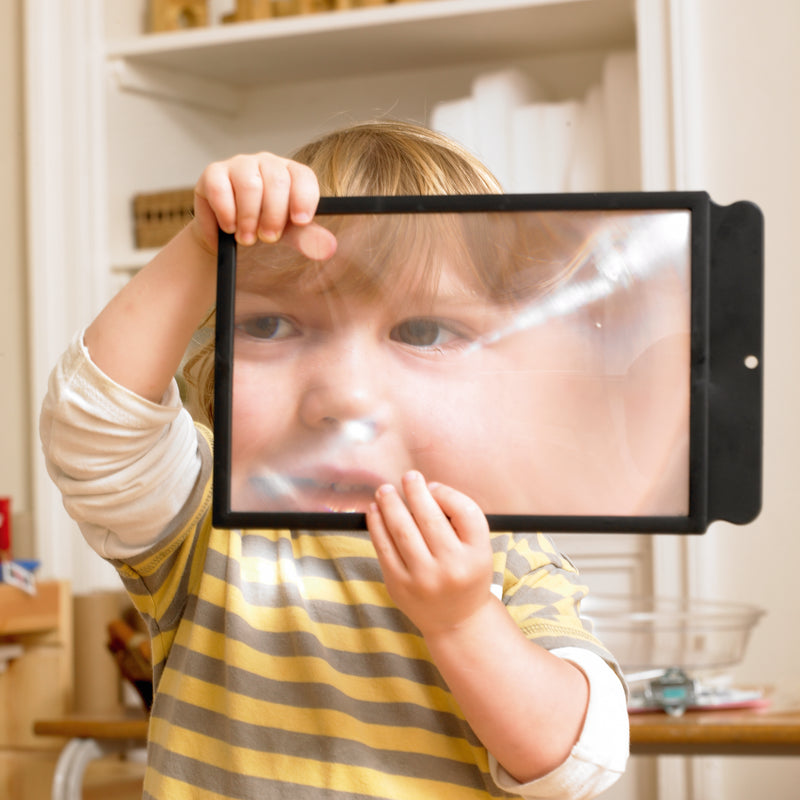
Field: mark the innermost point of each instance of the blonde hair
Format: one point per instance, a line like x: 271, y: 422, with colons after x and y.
x: 394, y: 158
x: 380, y: 158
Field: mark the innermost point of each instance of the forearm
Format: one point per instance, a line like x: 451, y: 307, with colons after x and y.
x: 140, y: 337
x: 526, y: 705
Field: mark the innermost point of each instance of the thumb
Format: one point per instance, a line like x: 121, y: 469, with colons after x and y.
x: 312, y: 240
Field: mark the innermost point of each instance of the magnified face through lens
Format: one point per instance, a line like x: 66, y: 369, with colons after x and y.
x: 537, y: 360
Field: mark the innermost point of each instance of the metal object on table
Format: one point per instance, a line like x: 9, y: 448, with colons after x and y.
x: 90, y: 738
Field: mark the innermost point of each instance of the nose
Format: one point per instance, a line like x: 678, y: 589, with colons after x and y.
x: 345, y: 391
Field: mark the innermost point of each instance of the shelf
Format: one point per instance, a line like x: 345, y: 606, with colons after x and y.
x: 22, y: 613
x: 426, y: 34
x: 126, y: 263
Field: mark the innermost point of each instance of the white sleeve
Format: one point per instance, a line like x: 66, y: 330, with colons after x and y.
x: 124, y: 465
x: 600, y: 755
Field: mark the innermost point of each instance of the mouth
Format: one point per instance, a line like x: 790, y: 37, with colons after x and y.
x: 326, y: 490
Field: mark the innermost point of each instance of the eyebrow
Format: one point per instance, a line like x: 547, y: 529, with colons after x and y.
x: 394, y: 283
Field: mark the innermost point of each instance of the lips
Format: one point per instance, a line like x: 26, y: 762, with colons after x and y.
x: 322, y: 489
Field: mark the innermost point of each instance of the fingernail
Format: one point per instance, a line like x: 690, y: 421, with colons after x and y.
x: 414, y: 475
x: 384, y: 490
x: 268, y: 237
x: 302, y: 217
x: 433, y: 485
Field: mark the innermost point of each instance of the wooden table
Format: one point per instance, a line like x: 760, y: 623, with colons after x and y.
x: 751, y: 732
x: 90, y: 737
x: 87, y: 726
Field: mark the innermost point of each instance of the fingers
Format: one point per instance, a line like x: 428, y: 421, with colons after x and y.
x: 388, y: 556
x: 262, y: 197
x: 434, y: 521
x: 214, y: 198
x: 428, y: 515
x: 399, y: 528
x: 283, y: 192
x: 438, y: 576
x: 465, y: 515
x: 441, y: 510
x: 304, y: 198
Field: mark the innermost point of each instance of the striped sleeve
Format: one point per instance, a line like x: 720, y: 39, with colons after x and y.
x: 542, y: 591
x: 160, y: 579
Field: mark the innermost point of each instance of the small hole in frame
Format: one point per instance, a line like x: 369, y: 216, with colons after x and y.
x: 751, y: 362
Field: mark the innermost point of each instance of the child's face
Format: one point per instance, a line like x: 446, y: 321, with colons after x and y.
x: 529, y: 407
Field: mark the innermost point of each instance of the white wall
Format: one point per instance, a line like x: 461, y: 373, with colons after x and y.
x: 15, y: 444
x: 751, y: 126
x: 747, y: 73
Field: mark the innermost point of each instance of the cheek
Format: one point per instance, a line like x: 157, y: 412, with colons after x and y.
x: 511, y: 430
x: 259, y: 413
x: 452, y: 425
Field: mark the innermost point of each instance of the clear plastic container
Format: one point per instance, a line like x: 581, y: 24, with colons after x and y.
x: 657, y: 633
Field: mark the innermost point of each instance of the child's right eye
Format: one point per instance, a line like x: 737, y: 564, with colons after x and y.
x: 426, y: 333
x: 271, y: 327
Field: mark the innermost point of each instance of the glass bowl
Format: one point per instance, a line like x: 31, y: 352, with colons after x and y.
x: 660, y: 633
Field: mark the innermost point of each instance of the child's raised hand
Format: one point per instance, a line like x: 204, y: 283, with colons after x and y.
x: 434, y: 551
x: 260, y: 197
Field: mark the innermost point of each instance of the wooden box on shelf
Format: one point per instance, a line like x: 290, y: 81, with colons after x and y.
x: 158, y: 216
x: 36, y: 683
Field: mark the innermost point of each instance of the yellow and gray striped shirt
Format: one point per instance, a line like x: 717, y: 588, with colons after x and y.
x: 284, y: 670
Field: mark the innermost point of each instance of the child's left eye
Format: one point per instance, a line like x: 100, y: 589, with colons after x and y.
x: 424, y: 332
x: 269, y: 327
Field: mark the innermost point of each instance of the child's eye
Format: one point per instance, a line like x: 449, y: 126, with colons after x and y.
x: 424, y: 332
x: 270, y: 327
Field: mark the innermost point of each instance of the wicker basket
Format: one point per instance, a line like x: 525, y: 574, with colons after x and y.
x: 160, y: 215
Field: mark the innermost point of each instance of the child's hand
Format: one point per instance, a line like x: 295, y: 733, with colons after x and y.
x: 260, y: 197
x: 526, y: 705
x: 435, y: 552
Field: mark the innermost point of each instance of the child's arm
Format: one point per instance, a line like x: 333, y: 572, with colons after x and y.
x: 525, y: 704
x: 138, y: 340
x: 125, y: 465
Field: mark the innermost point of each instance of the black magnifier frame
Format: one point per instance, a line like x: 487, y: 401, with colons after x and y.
x: 725, y: 380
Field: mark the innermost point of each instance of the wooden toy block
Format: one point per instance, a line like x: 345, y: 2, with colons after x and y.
x: 173, y: 15
x: 247, y: 10
x: 290, y: 8
x: 265, y: 9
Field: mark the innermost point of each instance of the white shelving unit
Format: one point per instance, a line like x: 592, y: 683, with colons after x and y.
x: 428, y: 34
x: 113, y: 112
x: 196, y: 95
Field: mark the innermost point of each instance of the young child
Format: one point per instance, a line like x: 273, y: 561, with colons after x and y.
x: 320, y: 664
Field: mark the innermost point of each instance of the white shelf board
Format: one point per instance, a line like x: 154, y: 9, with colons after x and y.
x: 126, y: 262
x: 425, y: 34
